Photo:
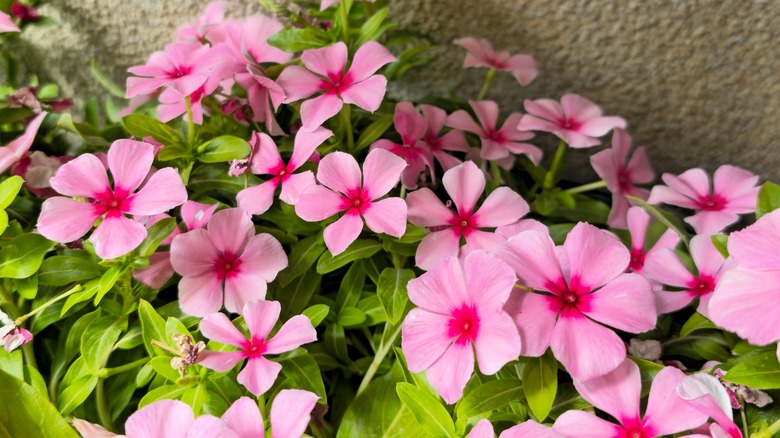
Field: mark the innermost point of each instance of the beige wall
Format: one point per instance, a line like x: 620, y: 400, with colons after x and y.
x: 697, y: 80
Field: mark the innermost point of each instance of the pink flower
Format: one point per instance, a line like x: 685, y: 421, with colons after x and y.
x: 290, y: 415
x: 267, y: 161
x: 259, y: 373
x: 585, y: 287
x: 459, y: 311
x: 464, y: 183
x: 342, y: 190
x: 11, y: 153
x: 65, y: 219
x: 481, y: 54
x: 497, y: 142
x: 526, y: 429
x: 6, y: 24
x: 620, y: 174
x: 182, y: 67
x: 411, y: 126
x: 618, y: 393
x: 357, y: 85
x: 172, y: 103
x: 705, y: 393
x: 576, y: 120
x: 199, y: 30
x: 454, y: 140
x: 665, y: 267
x: 638, y: 221
x: 229, y: 252
x: 734, y: 193
x: 11, y: 336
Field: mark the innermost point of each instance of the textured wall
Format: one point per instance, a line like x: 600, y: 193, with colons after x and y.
x: 696, y: 80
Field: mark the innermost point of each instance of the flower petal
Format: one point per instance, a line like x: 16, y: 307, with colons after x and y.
x: 590, y: 272
x: 487, y: 113
x: 259, y: 375
x: 291, y: 412
x: 317, y: 203
x: 436, y: 247
x: 711, y: 222
x: 328, y: 61
x: 243, y: 288
x: 197, y: 215
x: 586, y: 349
x: 464, y: 183
x: 340, y: 234
x: 340, y: 172
x: 452, y: 371
x: 755, y: 247
x: 581, y: 424
x: 297, y: 331
x: 162, y: 192
x: 503, y: 206
x: 65, y: 220
x: 220, y: 361
x: 666, y: 412
x: 193, y: 253
x: 424, y: 209
x: 497, y: 342
x: 441, y: 289
x: 369, y: 58
x: 381, y: 172
x: 740, y: 302
x: 305, y: 145
x: 208, y: 426
x: 265, y: 154
x: 298, y: 83
x: 244, y: 417
x: 129, y: 162
x: 625, y: 303
x: 461, y: 120
x: 616, y: 393
x: 168, y: 418
x: 230, y: 230
x: 258, y: 199
x: 366, y: 94
x: 217, y: 327
x: 488, y: 279
x: 706, y: 257
x: 200, y: 294
x: 314, y: 112
x: 665, y: 267
x: 545, y: 108
x: 260, y: 317
x: 386, y: 216
x: 534, y: 316
x: 424, y: 338
x: 117, y: 236
x: 296, y: 184
x: 532, y: 255
x: 84, y: 176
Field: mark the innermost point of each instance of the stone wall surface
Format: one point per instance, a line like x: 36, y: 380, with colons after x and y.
x: 697, y: 80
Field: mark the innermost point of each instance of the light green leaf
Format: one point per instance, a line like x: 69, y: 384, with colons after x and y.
x: 317, y: 313
x: 489, y: 397
x: 301, y: 368
x: 761, y: 371
x: 223, y: 148
x: 142, y: 126
x: 428, y: 411
x: 25, y: 412
x: 152, y: 326
x: 768, y: 199
x: 99, y: 339
x: 697, y: 321
x: 540, y: 384
x: 23, y: 256
x: 391, y: 290
x: 358, y: 250
x: 9, y: 189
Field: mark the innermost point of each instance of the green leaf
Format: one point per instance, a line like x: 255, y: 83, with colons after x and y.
x: 195, y: 396
x: 165, y: 392
x: 23, y: 256
x: 9, y: 115
x: 489, y: 397
x: 391, y: 290
x: 107, y: 281
x: 142, y: 126
x: 351, y: 286
x: 61, y: 270
x: 224, y: 148
x: 661, y: 217
x: 302, y: 257
x: 9, y: 189
x: 374, y: 27
x: 372, y: 132
x: 25, y: 412
x: 99, y: 339
x: 540, y: 384
x: 89, y: 290
x: 358, y: 250
x: 158, y: 232
x: 162, y: 366
x: 152, y: 326
x: 768, y: 199
x: 697, y: 321
x: 295, y: 296
x: 430, y: 414
x: 27, y: 287
x: 104, y: 80
x: 89, y: 133
x: 720, y: 242
x: 76, y: 393
x: 317, y: 313
x: 295, y: 40
x: 304, y: 373
x: 351, y: 316
x: 336, y: 343
x: 761, y: 371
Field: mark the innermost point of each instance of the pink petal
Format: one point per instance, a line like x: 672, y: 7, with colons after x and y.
x: 162, y: 192
x: 616, y: 393
x: 65, y: 220
x: 314, y: 112
x: 625, y: 303
x: 340, y: 234
x: 533, y: 152
x: 665, y: 267
x: 84, y: 176
x: 7, y: 25
x: 424, y: 338
x: 193, y: 253
x: 671, y: 301
x: 706, y: 257
x: 489, y: 280
x: 291, y: 412
x: 601, y: 125
x: 464, y: 183
x: 740, y: 302
x: 197, y: 215
x: 263, y: 257
x: 317, y: 203
x: 545, y: 108
x: 244, y: 418
x: 295, y: 185
x: 294, y: 333
x: 435, y: 118
x: 502, y: 207
x: 306, y: 143
x: 340, y: 172
x: 129, y: 162
x: 586, y: 349
x: 200, y: 294
x: 576, y: 107
x: 666, y: 195
x: 217, y: 327
x: 462, y: 120
x: 260, y: 317
x: 692, y: 183
x: 531, y: 123
x: 473, y: 47
x: 639, y: 167
x: 14, y: 150
x: 708, y: 395
x: 426, y: 210
x: 381, y: 172
x: 243, y: 288
x: 604, y: 165
x: 532, y: 255
x: 590, y: 272
x: 208, y: 426
x: 265, y: 154
x: 666, y: 412
x: 575, y: 139
x: 160, y: 270
x: 523, y: 68
x: 168, y: 418
x: 366, y: 94
x: 755, y: 247
x: 259, y: 375
x: 638, y: 220
x: 117, y: 236
x: 298, y: 83
x: 483, y: 429
x: 257, y: 199
x: 436, y: 247
x: 220, y: 361
x: 327, y: 61
x: 617, y: 216
x: 497, y: 342
x: 230, y: 230
x: 535, y: 318
x: 369, y: 58
x: 85, y: 428
x: 581, y: 424
x: 386, y: 216
x: 441, y: 289
x: 732, y: 183
x: 143, y: 86
x: 486, y: 112
x: 452, y: 371
x: 528, y: 429
x: 518, y: 227
x: 711, y: 222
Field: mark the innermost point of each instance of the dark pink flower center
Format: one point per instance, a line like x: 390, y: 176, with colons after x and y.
x: 179, y: 71
x: 624, y: 180
x: 336, y: 83
x: 463, y: 224
x: 227, y: 265
x: 714, y: 202
x: 636, y: 432
x: 496, y: 136
x: 637, y: 260
x: 433, y: 142
x: 356, y: 201
x: 702, y: 285
x: 111, y: 203
x: 281, y: 172
x: 254, y: 348
x: 569, y: 298
x: 569, y: 124
x: 463, y: 325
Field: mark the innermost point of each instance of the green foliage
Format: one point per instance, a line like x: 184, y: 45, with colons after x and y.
x: 540, y: 383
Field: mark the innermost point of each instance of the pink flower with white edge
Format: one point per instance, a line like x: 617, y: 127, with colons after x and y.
x: 11, y: 153
x: 454, y: 140
x: 259, y: 373
x: 618, y: 393
x: 638, y: 221
x: 620, y: 174
x: 290, y: 415
x: 11, y: 336
x: 460, y: 310
x: 343, y: 190
x: 464, y: 183
x: 526, y: 429
x: 6, y: 24
x: 267, y: 161
x: 575, y: 120
x: 665, y: 267
x: 497, y: 143
x: 225, y: 256
x: 734, y: 192
x: 584, y: 288
x: 357, y: 85
x: 65, y: 219
x: 411, y: 126
x: 706, y: 394
x: 481, y: 54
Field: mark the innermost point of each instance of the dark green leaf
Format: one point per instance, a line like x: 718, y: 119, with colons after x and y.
x: 158, y: 232
x: 89, y: 133
x: 352, y: 284
x: 428, y: 411
x: 374, y: 131
x: 61, y: 270
x: 9, y: 115
x: 165, y: 392
x: 391, y: 290
x: 302, y: 257
x: 224, y: 148
x: 358, y: 250
x: 351, y: 316
x: 107, y: 281
x: 768, y: 199
x: 302, y: 370
x: 295, y: 296
x: 144, y: 126
x: 295, y: 40
x: 490, y: 396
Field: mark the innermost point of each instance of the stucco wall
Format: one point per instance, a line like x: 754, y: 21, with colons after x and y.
x: 697, y: 80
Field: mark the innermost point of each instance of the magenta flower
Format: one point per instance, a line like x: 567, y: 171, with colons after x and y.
x: 25, y: 13
x: 620, y: 174
x: 357, y: 85
x: 638, y: 222
x: 65, y: 219
x: 229, y: 252
x: 526, y: 429
x: 618, y: 393
x: 267, y: 161
x: 290, y: 415
x: 481, y: 54
x: 464, y: 183
x: 11, y: 153
x: 705, y: 393
x: 734, y: 193
x: 576, y: 120
x: 342, y: 190
x: 497, y: 142
x: 11, y: 336
x: 585, y: 286
x: 460, y: 310
x: 454, y: 140
x: 259, y: 373
x: 411, y: 125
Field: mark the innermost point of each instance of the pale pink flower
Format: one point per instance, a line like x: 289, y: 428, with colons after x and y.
x: 706, y: 394
x: 464, y: 183
x: 460, y: 310
x: 576, y: 120
x: 618, y: 393
x: 65, y: 219
x: 229, y: 252
x: 526, y: 429
x: 11, y: 336
x: 497, y: 142
x: 290, y: 415
x: 11, y: 153
x: 343, y: 190
x: 665, y: 267
x: 259, y: 373
x: 453, y: 140
x: 411, y: 126
x: 357, y: 85
x: 585, y: 286
x: 6, y: 24
x: 481, y: 54
x: 620, y: 174
x: 199, y: 30
x: 172, y: 103
x: 734, y: 192
x: 266, y: 160
x: 182, y: 67
x: 638, y: 221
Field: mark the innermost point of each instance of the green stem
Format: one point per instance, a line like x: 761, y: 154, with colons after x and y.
x: 102, y: 406
x: 587, y: 187
x: 380, y: 356
x: 769, y: 432
x: 744, y: 417
x: 190, y: 121
x: 20, y: 320
x: 555, y: 168
x: 105, y: 373
x: 346, y: 118
x: 496, y: 172
x: 488, y: 79
x: 344, y: 20
x: 403, y: 191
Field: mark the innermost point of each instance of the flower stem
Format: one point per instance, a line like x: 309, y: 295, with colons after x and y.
x: 105, y: 373
x: 20, y: 320
x: 100, y: 395
x: 769, y: 432
x: 190, y: 120
x: 586, y: 187
x: 380, y: 356
x: 346, y: 119
x: 555, y: 168
x: 344, y: 20
x: 486, y: 85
